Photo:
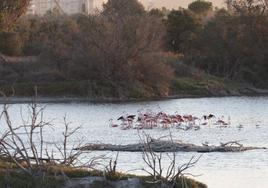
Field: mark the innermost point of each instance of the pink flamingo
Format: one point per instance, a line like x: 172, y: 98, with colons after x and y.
x: 112, y: 124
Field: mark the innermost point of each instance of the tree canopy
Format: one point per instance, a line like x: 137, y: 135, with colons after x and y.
x: 200, y: 7
x: 233, y: 44
x: 10, y: 11
x: 123, y: 8
x: 181, y: 26
x: 127, y: 51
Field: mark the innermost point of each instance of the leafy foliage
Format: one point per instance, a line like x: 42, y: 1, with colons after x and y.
x: 120, y: 8
x: 115, y: 58
x: 125, y: 51
x: 234, y: 45
x: 181, y: 30
x: 11, y: 43
x: 200, y: 7
x: 231, y: 44
x: 10, y: 11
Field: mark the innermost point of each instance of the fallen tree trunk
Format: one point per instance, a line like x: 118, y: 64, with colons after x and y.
x: 170, y: 146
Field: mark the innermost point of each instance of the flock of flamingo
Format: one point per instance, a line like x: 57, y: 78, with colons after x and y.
x: 151, y: 120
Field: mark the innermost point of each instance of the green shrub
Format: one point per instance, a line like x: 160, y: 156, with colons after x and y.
x: 10, y: 43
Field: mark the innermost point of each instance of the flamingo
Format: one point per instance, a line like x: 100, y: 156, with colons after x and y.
x: 112, y: 124
x: 205, y: 123
x: 166, y: 122
x: 208, y: 117
x: 221, y: 122
x: 196, y: 128
x: 122, y: 118
x: 132, y: 117
x: 125, y: 123
x: 147, y: 122
x: 150, y: 119
x: 258, y: 124
x: 180, y: 121
x: 240, y: 127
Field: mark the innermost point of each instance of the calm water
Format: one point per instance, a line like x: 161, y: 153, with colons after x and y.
x: 218, y: 170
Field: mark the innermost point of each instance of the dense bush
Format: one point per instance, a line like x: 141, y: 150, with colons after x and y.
x: 10, y: 43
x: 117, y: 52
x: 235, y: 46
x: 125, y: 51
x: 231, y: 44
x: 10, y: 12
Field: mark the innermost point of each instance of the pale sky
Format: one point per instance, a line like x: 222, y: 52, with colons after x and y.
x: 167, y: 3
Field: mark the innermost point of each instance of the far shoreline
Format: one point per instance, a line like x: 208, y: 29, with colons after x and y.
x: 74, y: 99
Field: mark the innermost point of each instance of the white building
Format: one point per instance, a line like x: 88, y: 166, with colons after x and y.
x: 31, y: 8
x: 41, y: 7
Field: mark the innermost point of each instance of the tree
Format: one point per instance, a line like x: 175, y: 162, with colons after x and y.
x: 113, y: 56
x: 116, y: 53
x: 248, y: 7
x: 162, y: 13
x: 234, y: 46
x: 53, y: 36
x: 200, y: 7
x: 10, y: 43
x: 219, y: 46
x: 252, y: 16
x: 10, y: 11
x: 181, y: 30
x: 120, y: 8
x: 123, y: 50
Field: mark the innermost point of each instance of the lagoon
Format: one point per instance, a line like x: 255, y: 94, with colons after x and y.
x: 218, y: 170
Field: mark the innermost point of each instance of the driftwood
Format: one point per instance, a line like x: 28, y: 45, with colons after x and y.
x: 171, y: 146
